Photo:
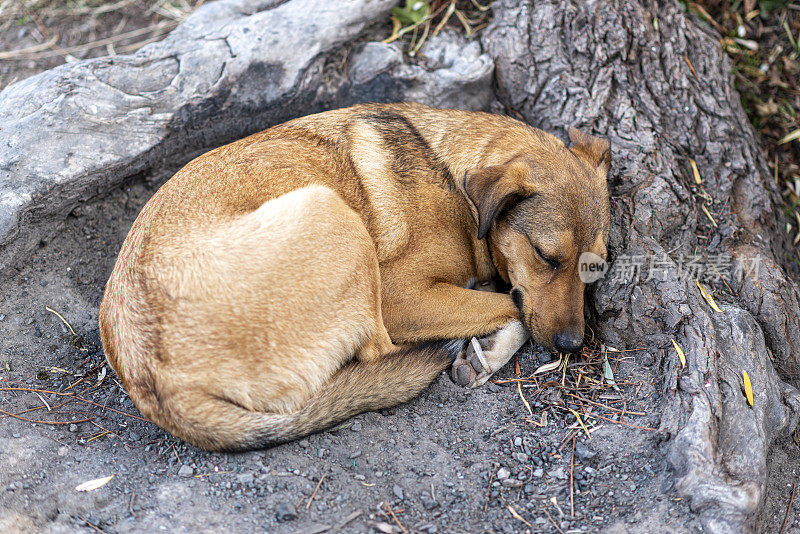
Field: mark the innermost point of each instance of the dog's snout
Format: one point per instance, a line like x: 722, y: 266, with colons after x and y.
x: 568, y: 341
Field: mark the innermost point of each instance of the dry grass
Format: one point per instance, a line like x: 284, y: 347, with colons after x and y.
x: 762, y: 39
x: 36, y: 35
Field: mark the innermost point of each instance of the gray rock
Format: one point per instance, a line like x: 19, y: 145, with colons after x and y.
x: 245, y: 478
x: 585, y: 453
x: 398, y: 491
x: 285, y: 512
x: 428, y: 503
x: 232, y: 68
x: 503, y: 473
x: 186, y: 471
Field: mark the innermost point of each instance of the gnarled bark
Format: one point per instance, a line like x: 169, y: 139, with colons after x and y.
x: 658, y: 85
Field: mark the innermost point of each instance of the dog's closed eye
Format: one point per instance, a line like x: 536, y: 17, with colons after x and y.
x: 552, y: 262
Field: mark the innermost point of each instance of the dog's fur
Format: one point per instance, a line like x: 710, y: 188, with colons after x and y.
x: 261, y: 292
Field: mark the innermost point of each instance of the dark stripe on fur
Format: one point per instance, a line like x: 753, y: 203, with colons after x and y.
x: 409, y: 148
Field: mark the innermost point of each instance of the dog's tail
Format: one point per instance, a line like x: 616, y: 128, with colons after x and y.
x: 357, y: 387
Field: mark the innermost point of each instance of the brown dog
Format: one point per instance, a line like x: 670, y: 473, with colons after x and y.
x: 260, y: 293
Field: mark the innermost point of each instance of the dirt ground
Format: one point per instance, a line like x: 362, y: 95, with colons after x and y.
x: 453, y: 460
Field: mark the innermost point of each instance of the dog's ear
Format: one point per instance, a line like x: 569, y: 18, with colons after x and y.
x: 493, y: 189
x: 595, y: 149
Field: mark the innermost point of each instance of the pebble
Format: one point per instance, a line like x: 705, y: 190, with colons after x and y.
x: 559, y: 473
x: 356, y: 426
x: 398, y: 491
x: 538, y: 473
x: 186, y: 471
x: 503, y: 473
x: 355, y: 455
x: 428, y: 502
x: 285, y: 512
x: 584, y: 453
x: 245, y: 478
x: 73, y: 427
x: 511, y: 483
x: 520, y: 456
x: 518, y: 441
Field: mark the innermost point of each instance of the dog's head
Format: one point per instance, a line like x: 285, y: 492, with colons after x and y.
x: 541, y: 211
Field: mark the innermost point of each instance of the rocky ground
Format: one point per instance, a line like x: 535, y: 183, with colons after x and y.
x: 453, y: 460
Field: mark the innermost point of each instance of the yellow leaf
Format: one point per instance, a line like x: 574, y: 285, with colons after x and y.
x: 91, y: 485
x: 708, y: 214
x: 695, y: 172
x: 748, y: 388
x: 681, y: 355
x: 790, y: 137
x: 708, y: 297
x: 580, y: 421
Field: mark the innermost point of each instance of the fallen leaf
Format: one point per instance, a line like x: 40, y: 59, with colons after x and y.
x: 695, y: 172
x: 708, y: 214
x: 748, y: 388
x: 546, y: 368
x: 580, y: 421
x: 708, y: 297
x: 795, y: 135
x: 681, y: 355
x: 91, y: 485
x: 608, y: 373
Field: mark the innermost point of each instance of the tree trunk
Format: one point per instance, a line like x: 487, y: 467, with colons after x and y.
x: 657, y: 84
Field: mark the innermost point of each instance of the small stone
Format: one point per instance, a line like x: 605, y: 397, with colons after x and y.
x: 559, y: 473
x: 356, y: 426
x: 303, y: 443
x: 518, y: 441
x: 73, y: 427
x: 398, y: 491
x: 245, y: 478
x: 584, y: 453
x: 186, y: 471
x: 520, y: 456
x: 503, y: 473
x: 494, y: 388
x: 428, y: 502
x: 63, y: 451
x: 285, y: 512
x: 355, y: 455
x: 511, y: 483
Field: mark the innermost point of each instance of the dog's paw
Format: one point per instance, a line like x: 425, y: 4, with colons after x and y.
x: 482, y: 357
x: 470, y: 367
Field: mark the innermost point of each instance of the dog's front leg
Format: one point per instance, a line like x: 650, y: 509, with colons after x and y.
x: 446, y: 311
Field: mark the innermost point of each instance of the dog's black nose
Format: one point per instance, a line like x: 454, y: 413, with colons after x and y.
x: 568, y: 341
